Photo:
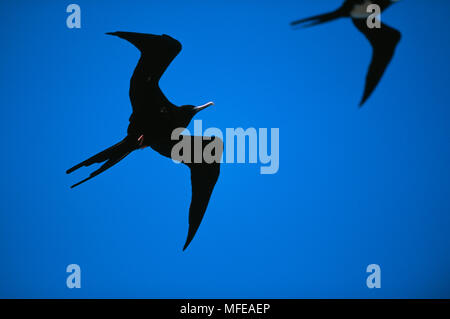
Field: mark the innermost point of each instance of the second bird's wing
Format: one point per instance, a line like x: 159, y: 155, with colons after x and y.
x: 342, y: 11
x: 384, y: 40
x: 319, y: 19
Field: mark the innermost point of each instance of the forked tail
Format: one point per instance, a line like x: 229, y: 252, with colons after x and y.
x: 111, y: 156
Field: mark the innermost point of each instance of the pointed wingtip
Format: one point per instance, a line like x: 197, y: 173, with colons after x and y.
x: 190, y: 236
x: 297, y: 25
x: 363, y: 101
x: 111, y: 33
x: 188, y: 241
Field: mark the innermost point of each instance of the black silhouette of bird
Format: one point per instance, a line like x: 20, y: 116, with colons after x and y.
x: 154, y: 121
x: 384, y: 40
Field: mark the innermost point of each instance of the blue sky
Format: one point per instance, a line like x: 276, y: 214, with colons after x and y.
x: 355, y: 186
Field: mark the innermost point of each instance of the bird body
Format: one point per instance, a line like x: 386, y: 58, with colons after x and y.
x: 154, y: 119
x: 383, y: 40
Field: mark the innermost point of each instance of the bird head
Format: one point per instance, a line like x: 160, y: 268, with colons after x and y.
x: 192, y: 110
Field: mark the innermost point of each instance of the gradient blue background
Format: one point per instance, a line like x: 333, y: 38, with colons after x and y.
x: 355, y: 187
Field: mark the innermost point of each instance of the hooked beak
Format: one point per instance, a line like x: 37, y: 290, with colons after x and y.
x: 202, y: 107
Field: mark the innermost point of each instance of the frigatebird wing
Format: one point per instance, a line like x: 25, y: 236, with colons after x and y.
x: 384, y: 41
x: 342, y: 11
x: 204, y: 174
x: 203, y: 179
x: 204, y: 163
x: 157, y: 52
x: 319, y: 19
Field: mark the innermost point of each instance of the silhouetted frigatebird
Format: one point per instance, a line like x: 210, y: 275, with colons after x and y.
x: 384, y: 40
x: 153, y: 121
